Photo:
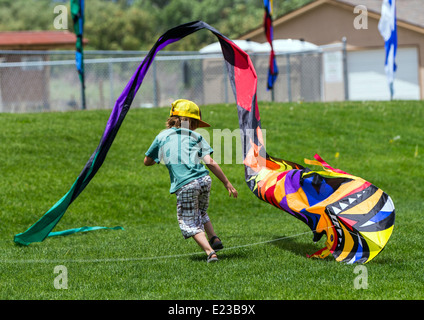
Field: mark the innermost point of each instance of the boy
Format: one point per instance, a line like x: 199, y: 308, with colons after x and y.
x: 181, y: 150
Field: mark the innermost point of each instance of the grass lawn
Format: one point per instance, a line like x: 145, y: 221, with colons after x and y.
x: 265, y: 257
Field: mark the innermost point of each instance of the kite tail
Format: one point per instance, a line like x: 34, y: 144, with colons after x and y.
x: 43, y: 227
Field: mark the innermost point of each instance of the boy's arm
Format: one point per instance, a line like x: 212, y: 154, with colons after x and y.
x: 217, y: 171
x: 149, y: 161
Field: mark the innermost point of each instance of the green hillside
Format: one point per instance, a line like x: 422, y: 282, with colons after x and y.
x: 265, y: 256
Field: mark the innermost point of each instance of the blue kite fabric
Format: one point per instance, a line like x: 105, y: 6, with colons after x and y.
x: 357, y: 217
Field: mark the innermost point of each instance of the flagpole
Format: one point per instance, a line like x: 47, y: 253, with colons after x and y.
x: 83, y: 92
x: 391, y: 91
x: 77, y: 12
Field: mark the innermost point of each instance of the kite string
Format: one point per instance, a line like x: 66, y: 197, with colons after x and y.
x: 149, y: 258
x: 158, y: 257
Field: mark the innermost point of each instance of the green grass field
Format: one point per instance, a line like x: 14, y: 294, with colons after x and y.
x: 265, y: 257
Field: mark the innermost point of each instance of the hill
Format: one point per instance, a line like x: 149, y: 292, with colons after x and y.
x: 265, y: 255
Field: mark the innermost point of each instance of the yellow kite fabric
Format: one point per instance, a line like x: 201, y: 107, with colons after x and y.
x: 357, y: 217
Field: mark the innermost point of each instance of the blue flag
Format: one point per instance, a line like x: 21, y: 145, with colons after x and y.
x: 388, y: 30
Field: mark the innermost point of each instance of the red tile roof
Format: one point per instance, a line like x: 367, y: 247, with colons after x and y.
x: 13, y: 40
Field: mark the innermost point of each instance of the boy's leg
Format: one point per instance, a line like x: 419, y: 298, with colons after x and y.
x: 209, y: 230
x: 201, y: 240
x: 190, y: 222
x: 187, y: 209
x: 214, y: 240
x: 205, y: 187
x: 204, y: 204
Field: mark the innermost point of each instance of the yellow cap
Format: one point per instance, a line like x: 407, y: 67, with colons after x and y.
x: 187, y: 108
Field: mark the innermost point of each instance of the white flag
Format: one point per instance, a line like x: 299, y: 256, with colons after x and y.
x: 388, y: 30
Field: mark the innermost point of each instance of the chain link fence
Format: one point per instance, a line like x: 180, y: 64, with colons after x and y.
x: 36, y: 81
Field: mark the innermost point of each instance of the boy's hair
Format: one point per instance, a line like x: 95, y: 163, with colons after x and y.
x: 176, y: 121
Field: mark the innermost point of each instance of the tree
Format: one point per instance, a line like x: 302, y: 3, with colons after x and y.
x: 137, y: 24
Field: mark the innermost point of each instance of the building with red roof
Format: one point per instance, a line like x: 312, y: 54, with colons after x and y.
x: 26, y: 87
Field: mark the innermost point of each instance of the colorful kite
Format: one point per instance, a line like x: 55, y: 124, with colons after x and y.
x: 77, y: 13
x: 356, y: 216
x: 269, y: 32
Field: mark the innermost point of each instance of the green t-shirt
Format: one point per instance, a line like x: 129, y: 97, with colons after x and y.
x: 181, y: 150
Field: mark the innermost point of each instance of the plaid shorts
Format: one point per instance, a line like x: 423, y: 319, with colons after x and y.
x: 192, y: 203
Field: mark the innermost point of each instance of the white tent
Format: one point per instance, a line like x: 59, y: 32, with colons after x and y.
x: 246, y: 45
x: 289, y: 45
x: 280, y: 46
